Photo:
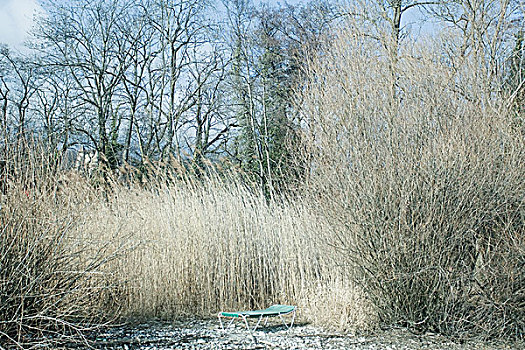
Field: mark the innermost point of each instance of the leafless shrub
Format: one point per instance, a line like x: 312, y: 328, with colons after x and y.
x: 424, y: 187
x: 51, y: 290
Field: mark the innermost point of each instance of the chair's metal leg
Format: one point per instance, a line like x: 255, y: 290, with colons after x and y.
x: 248, y: 328
x: 282, y: 320
x: 219, y: 316
x: 258, y: 322
x: 246, y: 323
x: 220, y: 320
x: 293, y: 319
x: 291, y: 323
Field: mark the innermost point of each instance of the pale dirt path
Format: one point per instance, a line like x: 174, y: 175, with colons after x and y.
x: 207, y: 334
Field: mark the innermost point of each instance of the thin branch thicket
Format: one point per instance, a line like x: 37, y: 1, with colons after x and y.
x: 50, y: 290
x: 425, y: 193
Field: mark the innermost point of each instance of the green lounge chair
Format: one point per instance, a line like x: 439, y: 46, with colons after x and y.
x: 274, y: 310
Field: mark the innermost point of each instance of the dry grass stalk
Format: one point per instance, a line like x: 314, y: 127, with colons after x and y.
x: 203, y: 246
x: 74, y: 253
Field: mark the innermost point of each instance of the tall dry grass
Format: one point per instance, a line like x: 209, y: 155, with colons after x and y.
x: 200, y: 246
x: 424, y: 187
x: 75, y: 254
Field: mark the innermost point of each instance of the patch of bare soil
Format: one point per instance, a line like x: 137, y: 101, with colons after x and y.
x: 207, y: 334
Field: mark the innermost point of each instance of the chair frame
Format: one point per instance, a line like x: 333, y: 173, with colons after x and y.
x: 244, y: 317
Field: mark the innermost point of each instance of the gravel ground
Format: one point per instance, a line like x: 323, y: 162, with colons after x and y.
x: 207, y: 334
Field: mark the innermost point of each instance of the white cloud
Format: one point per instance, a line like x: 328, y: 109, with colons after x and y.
x: 16, y: 19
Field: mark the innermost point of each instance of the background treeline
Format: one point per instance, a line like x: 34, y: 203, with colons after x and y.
x: 138, y: 81
x: 366, y: 157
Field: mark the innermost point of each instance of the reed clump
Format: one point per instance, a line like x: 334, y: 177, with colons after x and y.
x: 76, y: 254
x: 203, y: 245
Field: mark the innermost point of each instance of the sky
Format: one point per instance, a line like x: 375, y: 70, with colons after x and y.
x: 16, y: 18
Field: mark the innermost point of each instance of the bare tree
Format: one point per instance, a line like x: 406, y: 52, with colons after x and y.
x: 4, y: 97
x: 85, y: 38
x: 134, y: 95
x: 179, y: 29
x: 208, y: 125
x: 270, y: 47
x: 22, y: 81
x: 248, y: 147
x: 481, y: 38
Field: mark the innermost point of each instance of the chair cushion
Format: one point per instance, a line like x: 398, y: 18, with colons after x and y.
x: 273, y: 310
